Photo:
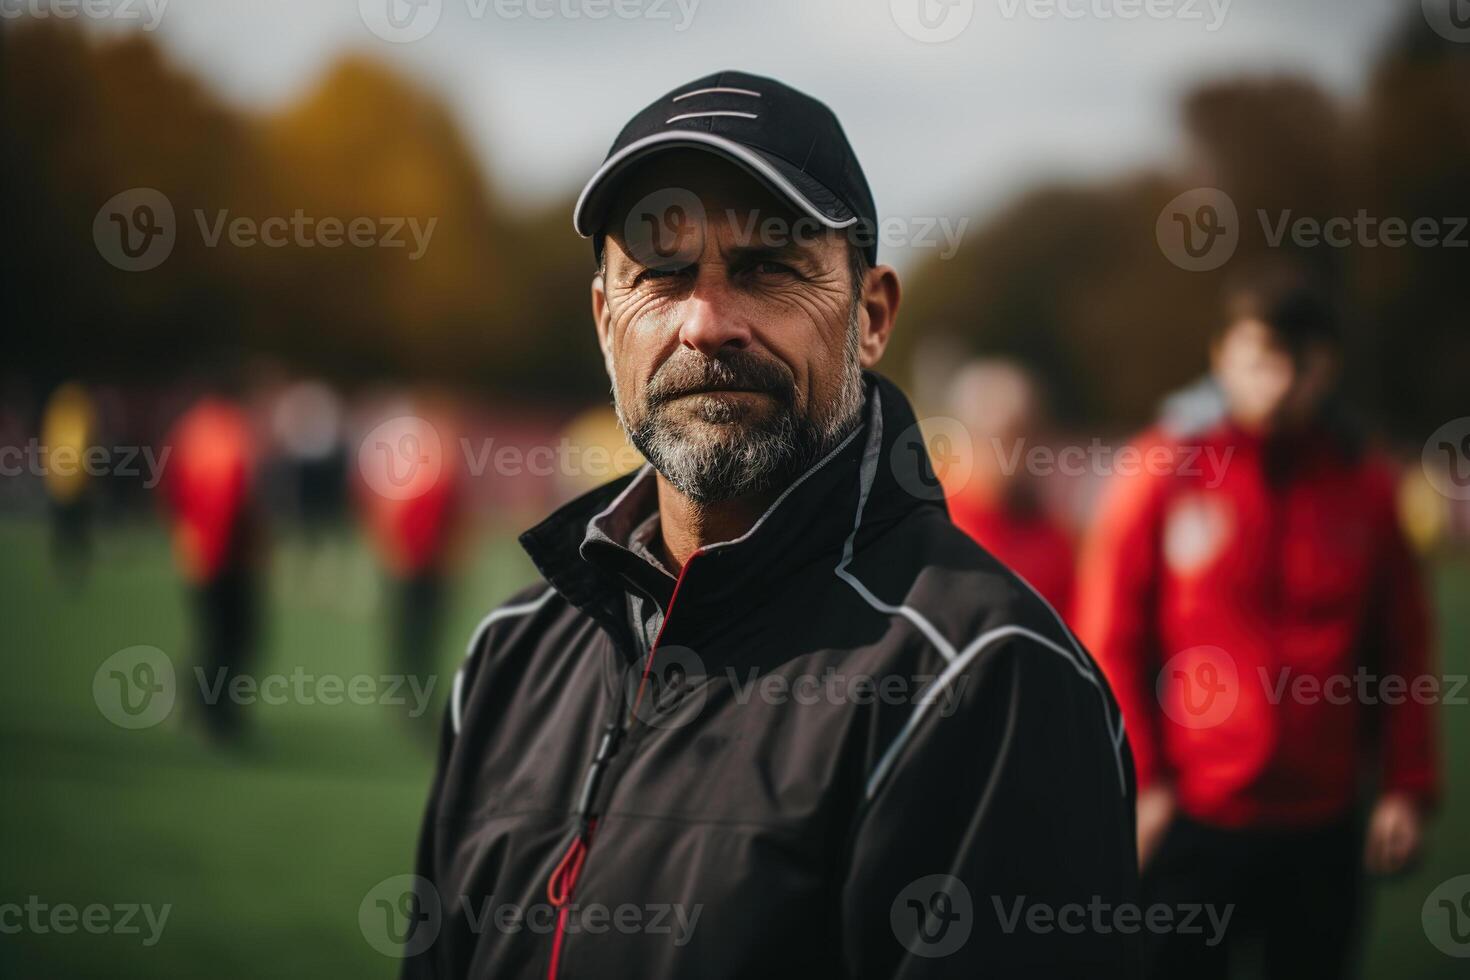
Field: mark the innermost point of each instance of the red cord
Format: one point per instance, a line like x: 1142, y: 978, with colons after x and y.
x: 564, y: 878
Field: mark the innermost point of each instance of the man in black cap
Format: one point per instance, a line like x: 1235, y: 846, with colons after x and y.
x: 770, y: 713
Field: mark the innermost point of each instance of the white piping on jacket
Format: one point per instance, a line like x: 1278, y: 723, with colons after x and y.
x: 456, y: 694
x: 957, y: 660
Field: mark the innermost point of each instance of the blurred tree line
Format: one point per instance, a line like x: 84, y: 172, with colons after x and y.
x: 1070, y: 278
x: 495, y: 301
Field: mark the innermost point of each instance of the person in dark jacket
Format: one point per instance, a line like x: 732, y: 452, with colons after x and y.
x: 770, y: 713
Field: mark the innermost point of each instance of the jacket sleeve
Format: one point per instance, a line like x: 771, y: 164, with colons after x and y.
x: 999, y: 842
x: 428, y: 948
x: 1403, y: 648
x: 1114, y: 607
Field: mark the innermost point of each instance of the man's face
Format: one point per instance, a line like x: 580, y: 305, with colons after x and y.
x: 1268, y: 387
x: 730, y: 328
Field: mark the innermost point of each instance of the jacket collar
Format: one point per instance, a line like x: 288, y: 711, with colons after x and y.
x: 581, y: 548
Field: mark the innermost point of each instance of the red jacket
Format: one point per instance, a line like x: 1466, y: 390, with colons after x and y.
x: 208, y: 488
x: 1032, y: 544
x: 1263, y: 634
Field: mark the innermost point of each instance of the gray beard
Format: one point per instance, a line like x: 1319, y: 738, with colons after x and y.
x: 751, y: 459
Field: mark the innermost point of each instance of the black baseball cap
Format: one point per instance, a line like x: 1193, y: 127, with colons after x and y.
x: 786, y: 139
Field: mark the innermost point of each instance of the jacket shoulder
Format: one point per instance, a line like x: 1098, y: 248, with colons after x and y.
x: 525, y: 610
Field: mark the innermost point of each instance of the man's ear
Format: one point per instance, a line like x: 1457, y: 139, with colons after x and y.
x: 881, y: 295
x: 602, y: 319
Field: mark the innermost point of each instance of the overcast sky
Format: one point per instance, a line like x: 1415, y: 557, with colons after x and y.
x: 1026, y: 90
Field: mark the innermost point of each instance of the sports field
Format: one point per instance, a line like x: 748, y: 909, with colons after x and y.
x: 264, y: 854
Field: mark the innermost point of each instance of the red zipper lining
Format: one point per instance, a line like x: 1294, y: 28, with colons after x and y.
x: 563, y: 879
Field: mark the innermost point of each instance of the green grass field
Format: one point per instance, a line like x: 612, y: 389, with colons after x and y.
x: 265, y: 853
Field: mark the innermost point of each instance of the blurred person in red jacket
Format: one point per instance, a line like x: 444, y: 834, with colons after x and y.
x: 209, y: 486
x: 410, y: 496
x: 1252, y: 599
x: 999, y: 504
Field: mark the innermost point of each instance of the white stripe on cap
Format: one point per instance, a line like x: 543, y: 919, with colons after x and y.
x: 721, y: 90
x: 739, y: 152
x: 716, y: 112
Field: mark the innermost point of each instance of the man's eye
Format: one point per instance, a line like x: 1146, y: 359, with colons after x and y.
x: 662, y: 272
x: 771, y: 268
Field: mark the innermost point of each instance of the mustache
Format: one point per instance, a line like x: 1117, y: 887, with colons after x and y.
x: 687, y: 373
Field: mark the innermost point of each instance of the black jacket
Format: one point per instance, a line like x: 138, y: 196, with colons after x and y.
x: 862, y: 748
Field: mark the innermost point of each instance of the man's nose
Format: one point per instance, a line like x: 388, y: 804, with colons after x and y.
x: 713, y: 321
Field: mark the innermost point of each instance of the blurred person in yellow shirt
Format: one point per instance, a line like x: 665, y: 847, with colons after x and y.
x: 68, y: 429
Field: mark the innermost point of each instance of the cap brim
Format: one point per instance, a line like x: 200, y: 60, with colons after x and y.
x: 784, y: 178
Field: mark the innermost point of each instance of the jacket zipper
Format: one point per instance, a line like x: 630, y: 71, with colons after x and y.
x: 563, y: 881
